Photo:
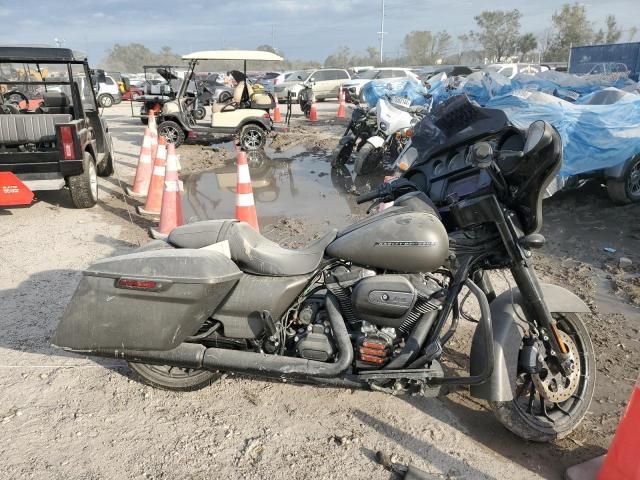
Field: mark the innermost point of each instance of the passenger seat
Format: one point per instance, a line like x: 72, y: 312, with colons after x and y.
x: 55, y: 102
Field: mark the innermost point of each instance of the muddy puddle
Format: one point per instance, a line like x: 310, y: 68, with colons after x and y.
x: 295, y: 183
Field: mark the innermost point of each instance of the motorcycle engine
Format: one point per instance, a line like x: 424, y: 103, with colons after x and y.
x: 313, y: 339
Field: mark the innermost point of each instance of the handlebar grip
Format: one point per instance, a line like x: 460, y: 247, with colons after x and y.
x: 367, y: 197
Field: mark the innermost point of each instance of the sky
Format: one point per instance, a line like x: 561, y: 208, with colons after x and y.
x: 302, y: 29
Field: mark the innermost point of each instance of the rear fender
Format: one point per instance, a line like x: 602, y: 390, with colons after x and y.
x: 509, y: 327
x: 376, y: 141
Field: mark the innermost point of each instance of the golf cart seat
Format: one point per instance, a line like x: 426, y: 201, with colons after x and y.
x: 251, y: 99
x: 54, y: 102
x: 252, y: 252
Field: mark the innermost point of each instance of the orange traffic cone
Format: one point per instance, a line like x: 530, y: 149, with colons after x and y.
x: 153, y: 128
x: 144, y: 168
x: 276, y: 111
x: 313, y: 111
x: 622, y: 461
x: 245, y: 204
x: 171, y: 211
x: 341, y: 108
x: 154, y: 198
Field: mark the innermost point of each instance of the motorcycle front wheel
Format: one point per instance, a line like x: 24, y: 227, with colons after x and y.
x: 341, y: 155
x: 369, y: 157
x: 178, y: 379
x: 549, y: 405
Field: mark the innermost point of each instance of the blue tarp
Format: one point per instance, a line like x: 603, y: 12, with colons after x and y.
x: 594, y: 137
x: 411, y: 89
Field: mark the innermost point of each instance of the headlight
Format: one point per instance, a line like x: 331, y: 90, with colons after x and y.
x: 383, y: 126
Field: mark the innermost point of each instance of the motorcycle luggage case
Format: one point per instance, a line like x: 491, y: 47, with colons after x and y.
x: 149, y: 300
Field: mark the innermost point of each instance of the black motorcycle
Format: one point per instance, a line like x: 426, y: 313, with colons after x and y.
x: 361, y: 126
x: 366, y: 307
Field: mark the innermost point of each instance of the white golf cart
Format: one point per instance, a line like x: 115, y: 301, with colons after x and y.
x: 246, y: 114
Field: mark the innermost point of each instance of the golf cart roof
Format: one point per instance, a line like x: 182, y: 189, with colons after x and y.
x: 233, y: 55
x: 36, y: 54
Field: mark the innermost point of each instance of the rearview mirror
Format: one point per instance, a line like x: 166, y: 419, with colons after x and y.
x: 300, y: 77
x: 538, y: 137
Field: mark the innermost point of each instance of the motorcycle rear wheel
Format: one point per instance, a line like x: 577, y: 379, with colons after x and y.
x: 177, y: 379
x: 530, y: 416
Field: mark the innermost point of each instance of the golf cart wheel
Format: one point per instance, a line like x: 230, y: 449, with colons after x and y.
x: 105, y: 100
x: 626, y: 189
x: 253, y: 137
x: 199, y: 113
x: 224, y: 97
x: 549, y: 405
x: 174, y: 378
x: 172, y: 132
x: 368, y: 159
x: 84, y: 187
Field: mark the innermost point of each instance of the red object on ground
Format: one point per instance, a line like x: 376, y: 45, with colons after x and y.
x: 342, y: 112
x: 622, y: 462
x: 13, y: 192
x: 144, y: 168
x: 245, y: 204
x: 313, y: 111
x: 154, y: 197
x: 277, y: 117
x: 171, y: 211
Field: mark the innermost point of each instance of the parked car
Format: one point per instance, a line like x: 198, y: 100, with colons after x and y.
x: 108, y: 92
x: 600, y: 69
x: 449, y: 70
x: 271, y: 79
x: 352, y: 87
x: 326, y: 83
x: 53, y: 137
x: 510, y: 70
x: 134, y: 93
x: 220, y: 92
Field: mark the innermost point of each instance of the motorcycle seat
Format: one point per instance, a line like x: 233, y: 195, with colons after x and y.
x: 252, y: 252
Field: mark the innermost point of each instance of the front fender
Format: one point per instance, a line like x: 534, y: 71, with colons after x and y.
x: 509, y: 326
x: 376, y: 141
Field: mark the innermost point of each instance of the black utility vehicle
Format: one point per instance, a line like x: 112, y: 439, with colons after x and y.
x: 51, y: 133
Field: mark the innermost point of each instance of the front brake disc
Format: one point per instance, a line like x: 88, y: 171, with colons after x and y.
x: 552, y: 384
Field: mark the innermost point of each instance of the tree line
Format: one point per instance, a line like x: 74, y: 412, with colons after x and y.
x: 497, y: 37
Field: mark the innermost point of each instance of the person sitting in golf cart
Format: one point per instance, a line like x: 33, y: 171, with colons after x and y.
x: 245, y: 95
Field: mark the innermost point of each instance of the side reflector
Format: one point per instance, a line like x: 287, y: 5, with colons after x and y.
x: 134, y: 284
x: 13, y: 191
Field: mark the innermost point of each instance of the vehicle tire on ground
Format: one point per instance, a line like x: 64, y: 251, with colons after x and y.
x: 199, y: 113
x: 528, y: 419
x: 224, y: 97
x: 320, y: 100
x: 174, y: 378
x: 341, y: 154
x: 368, y: 159
x: 626, y: 189
x: 84, y: 187
x: 172, y: 132
x: 253, y: 137
x: 106, y: 168
x: 105, y: 100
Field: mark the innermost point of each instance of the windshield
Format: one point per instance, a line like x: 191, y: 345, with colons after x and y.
x: 367, y: 75
x: 299, y: 75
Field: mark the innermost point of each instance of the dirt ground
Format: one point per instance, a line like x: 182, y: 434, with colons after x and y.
x: 64, y: 416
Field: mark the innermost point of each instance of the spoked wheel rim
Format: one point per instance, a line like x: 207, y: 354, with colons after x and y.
x: 252, y: 139
x: 550, y: 399
x: 169, y: 371
x: 106, y: 101
x: 633, y: 180
x: 93, y: 180
x: 170, y: 133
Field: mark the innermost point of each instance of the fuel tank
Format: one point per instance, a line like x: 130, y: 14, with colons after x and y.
x: 400, y: 238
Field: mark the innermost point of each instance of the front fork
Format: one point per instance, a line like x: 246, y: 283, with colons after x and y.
x: 527, y: 282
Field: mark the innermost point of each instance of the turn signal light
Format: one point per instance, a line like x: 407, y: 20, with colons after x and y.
x: 134, y: 284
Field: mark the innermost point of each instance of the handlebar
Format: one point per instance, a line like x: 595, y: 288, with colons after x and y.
x: 367, y: 197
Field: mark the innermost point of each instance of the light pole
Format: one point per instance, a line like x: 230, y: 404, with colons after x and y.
x: 381, y: 33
